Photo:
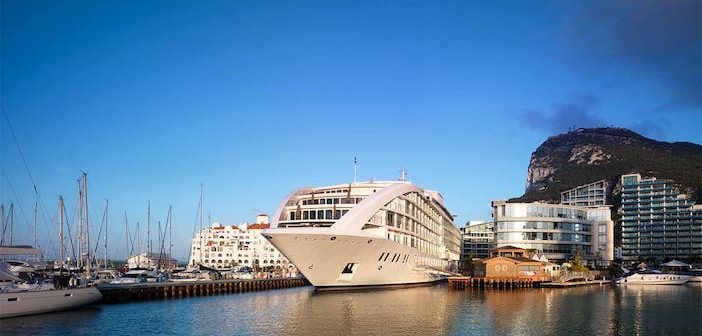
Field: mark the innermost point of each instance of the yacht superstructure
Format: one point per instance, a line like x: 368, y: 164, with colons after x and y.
x: 367, y: 234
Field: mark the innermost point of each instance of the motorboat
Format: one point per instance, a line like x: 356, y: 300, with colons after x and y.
x: 649, y: 277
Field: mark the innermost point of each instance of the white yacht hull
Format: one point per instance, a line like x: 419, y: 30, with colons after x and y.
x: 44, y: 301
x: 322, y: 257
x: 654, y: 279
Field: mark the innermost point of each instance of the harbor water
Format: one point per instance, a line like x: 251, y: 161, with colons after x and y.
x: 436, y: 310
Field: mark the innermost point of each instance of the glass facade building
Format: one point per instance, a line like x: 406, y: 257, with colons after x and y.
x: 593, y: 194
x: 555, y: 230
x: 477, y: 240
x: 658, y: 223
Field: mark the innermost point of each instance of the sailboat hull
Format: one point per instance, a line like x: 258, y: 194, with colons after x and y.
x: 45, y: 301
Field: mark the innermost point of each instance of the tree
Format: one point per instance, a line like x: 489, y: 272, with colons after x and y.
x: 576, y: 265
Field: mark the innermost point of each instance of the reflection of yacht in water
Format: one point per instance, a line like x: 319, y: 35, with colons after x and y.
x: 366, y: 234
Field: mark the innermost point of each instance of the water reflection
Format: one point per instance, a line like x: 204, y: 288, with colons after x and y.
x: 597, y: 310
x: 412, y: 311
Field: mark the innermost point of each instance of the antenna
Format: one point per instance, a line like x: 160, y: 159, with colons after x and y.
x: 403, y: 174
x: 355, y: 169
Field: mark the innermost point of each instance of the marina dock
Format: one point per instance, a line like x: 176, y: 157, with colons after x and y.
x: 123, y: 293
x: 494, y: 283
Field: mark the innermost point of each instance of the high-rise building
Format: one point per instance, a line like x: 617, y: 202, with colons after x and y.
x: 658, y: 223
x: 477, y: 239
x: 591, y: 194
x: 556, y: 231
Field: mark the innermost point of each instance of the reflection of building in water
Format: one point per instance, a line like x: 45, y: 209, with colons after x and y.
x: 414, y: 311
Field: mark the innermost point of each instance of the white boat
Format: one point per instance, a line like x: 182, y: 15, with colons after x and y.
x: 653, y: 278
x: 19, y: 298
x: 28, y: 302
x: 131, y: 277
x: 367, y: 234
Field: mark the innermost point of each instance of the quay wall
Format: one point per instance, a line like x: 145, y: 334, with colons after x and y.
x: 124, y: 293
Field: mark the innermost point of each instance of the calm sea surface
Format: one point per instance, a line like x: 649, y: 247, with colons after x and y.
x: 605, y: 310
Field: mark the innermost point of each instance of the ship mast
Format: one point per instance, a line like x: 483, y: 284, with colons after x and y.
x: 106, y: 221
x: 61, y: 247
x: 148, y: 227
x: 34, y: 223
x: 2, y: 214
x: 201, y: 219
x: 170, y: 234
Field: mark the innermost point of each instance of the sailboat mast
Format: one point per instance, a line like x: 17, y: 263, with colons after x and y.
x: 34, y: 223
x: 2, y: 214
x: 160, y: 245
x: 106, y: 221
x: 170, y: 231
x: 138, y: 241
x: 61, y: 215
x: 126, y: 235
x: 12, y: 223
x: 79, y: 262
x: 87, y: 218
x: 202, y: 212
x: 148, y: 226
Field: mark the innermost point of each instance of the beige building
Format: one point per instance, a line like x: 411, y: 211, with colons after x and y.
x: 226, y: 246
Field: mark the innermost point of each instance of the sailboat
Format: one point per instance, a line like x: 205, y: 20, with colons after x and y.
x: 19, y: 297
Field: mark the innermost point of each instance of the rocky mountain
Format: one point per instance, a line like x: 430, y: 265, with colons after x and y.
x: 582, y: 156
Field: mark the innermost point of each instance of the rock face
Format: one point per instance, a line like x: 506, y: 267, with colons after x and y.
x: 582, y: 156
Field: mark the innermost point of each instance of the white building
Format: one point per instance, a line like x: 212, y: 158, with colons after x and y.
x: 151, y: 260
x: 224, y: 247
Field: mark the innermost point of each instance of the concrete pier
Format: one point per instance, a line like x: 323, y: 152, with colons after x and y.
x: 123, y: 293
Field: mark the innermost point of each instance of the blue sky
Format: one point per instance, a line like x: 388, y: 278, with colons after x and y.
x: 255, y: 99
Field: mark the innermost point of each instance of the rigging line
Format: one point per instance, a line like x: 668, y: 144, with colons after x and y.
x: 97, y: 245
x: 24, y: 161
x: 69, y: 230
x: 12, y: 189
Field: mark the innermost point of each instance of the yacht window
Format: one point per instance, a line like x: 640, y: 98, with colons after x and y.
x: 329, y: 201
x: 381, y: 256
x: 320, y: 214
x: 313, y: 214
x: 292, y: 215
x: 348, y: 269
x: 337, y: 214
x: 305, y: 214
x: 328, y: 214
x: 386, y: 257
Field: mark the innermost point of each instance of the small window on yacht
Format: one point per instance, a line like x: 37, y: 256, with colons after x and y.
x: 381, y: 256
x: 386, y: 257
x: 292, y: 215
x: 343, y: 212
x: 313, y: 214
x: 329, y: 201
x: 336, y: 201
x: 328, y: 214
x: 305, y: 214
x: 348, y: 269
x: 337, y: 214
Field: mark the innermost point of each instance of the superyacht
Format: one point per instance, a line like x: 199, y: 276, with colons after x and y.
x: 367, y: 234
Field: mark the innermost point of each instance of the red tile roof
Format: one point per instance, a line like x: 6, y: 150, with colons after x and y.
x: 258, y: 226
